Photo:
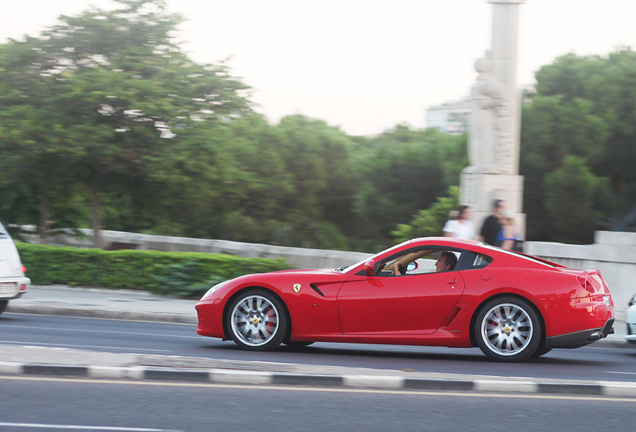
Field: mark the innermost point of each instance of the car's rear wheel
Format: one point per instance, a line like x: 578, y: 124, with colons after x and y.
x: 508, y: 329
x: 3, y: 305
x: 257, y: 320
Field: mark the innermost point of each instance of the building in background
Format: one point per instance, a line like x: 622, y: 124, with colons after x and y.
x: 451, y: 117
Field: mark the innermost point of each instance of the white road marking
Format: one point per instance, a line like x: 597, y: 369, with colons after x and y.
x: 77, y: 427
x: 77, y: 346
x: 624, y: 373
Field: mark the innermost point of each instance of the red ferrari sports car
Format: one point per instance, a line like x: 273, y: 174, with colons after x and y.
x: 428, y: 291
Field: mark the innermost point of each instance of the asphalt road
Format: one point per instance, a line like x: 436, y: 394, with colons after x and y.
x: 63, y: 404
x: 118, y: 336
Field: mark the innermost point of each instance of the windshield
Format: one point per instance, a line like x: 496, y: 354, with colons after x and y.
x: 3, y: 232
x: 346, y: 268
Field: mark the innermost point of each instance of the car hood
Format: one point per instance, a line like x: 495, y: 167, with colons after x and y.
x: 311, y: 275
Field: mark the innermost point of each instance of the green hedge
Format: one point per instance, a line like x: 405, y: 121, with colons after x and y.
x: 180, y: 273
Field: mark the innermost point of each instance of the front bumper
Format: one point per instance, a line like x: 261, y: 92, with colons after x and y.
x: 210, y: 317
x: 580, y: 338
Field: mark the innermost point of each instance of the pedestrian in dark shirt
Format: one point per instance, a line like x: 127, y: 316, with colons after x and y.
x: 492, y: 224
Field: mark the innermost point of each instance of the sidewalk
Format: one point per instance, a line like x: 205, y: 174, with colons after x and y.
x: 61, y: 300
x: 104, y: 303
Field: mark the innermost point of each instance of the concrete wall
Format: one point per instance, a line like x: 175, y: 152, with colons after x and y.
x: 298, y: 257
x: 614, y: 253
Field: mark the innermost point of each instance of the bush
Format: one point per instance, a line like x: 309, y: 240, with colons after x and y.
x: 158, y: 272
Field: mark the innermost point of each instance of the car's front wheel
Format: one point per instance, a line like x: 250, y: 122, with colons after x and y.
x: 297, y: 344
x: 508, y: 329
x: 257, y: 320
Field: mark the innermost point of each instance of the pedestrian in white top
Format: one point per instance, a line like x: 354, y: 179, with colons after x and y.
x: 462, y: 227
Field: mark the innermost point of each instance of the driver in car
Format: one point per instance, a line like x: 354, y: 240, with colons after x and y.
x: 445, y: 262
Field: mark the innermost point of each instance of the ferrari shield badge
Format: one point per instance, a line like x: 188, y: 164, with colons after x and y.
x: 296, y: 287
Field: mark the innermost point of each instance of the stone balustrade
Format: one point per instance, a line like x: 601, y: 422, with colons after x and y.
x: 614, y: 253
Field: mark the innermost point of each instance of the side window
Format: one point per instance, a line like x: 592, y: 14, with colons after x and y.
x: 481, y: 261
x: 419, y: 261
x: 473, y: 260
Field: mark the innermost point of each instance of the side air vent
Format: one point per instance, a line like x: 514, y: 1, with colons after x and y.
x: 315, y: 288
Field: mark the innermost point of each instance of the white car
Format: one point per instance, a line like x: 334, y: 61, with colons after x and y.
x: 13, y: 283
x: 630, y: 319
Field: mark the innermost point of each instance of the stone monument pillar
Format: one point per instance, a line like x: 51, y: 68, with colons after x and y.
x: 493, y: 139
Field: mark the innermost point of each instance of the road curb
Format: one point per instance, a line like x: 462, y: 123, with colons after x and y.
x: 216, y: 376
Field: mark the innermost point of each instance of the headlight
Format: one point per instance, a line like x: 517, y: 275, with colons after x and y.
x: 213, y: 289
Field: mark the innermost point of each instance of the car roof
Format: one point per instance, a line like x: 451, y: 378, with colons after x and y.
x: 448, y: 241
x: 475, y: 245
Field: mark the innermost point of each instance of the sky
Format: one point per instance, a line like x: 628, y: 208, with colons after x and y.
x: 361, y: 65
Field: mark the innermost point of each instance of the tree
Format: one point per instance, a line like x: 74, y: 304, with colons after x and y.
x: 406, y: 171
x: 34, y: 180
x: 122, y: 94
x: 583, y: 107
x: 319, y: 159
x: 429, y: 222
x: 573, y: 195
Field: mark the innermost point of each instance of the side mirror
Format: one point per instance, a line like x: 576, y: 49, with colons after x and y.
x: 412, y: 266
x: 369, y: 267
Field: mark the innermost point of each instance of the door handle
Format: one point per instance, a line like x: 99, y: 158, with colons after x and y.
x: 453, y: 281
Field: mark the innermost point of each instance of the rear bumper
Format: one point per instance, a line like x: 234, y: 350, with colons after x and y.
x: 13, y: 287
x: 580, y: 338
x: 630, y: 320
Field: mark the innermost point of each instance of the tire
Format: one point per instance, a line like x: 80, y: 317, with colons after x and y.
x: 257, y: 320
x: 508, y: 329
x: 541, y: 351
x: 3, y: 305
x: 297, y: 344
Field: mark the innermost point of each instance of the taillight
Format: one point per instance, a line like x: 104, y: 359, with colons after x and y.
x: 581, y: 280
x: 24, y: 269
x: 585, y: 284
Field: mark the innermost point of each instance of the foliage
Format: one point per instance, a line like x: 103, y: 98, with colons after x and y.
x: 154, y: 271
x: 179, y: 280
x: 406, y: 170
x: 105, y: 122
x: 429, y: 222
x: 571, y: 191
x: 100, y: 100
x: 583, y: 107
